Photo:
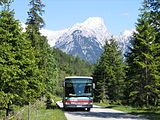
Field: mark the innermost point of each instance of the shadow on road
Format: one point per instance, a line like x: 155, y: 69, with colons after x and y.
x: 105, y: 115
x: 75, y: 110
x: 99, y: 112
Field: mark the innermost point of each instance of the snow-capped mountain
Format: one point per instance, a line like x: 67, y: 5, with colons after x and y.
x: 85, y: 39
x: 124, y: 40
x: 91, y: 27
x: 52, y: 36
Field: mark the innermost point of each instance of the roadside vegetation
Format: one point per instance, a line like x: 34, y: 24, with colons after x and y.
x: 133, y: 85
x: 43, y: 109
x: 150, y: 113
x: 29, y: 68
x: 40, y: 111
x: 135, y: 80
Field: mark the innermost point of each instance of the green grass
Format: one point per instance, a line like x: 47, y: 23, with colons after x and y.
x: 41, y: 113
x: 44, y: 114
x: 38, y: 111
x: 149, y: 113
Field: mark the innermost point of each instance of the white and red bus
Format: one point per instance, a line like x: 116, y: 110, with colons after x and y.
x: 78, y: 92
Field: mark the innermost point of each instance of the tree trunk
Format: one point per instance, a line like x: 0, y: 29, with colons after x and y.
x: 147, y: 100
x: 29, y: 111
x: 7, y: 111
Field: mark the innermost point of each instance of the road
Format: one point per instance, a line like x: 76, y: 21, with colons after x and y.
x: 99, y: 113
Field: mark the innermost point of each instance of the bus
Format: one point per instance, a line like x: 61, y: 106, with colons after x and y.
x: 78, y: 92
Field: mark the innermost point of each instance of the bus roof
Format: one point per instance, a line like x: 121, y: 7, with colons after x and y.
x: 79, y: 77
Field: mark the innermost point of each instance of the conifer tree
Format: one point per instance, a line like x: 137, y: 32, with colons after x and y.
x: 16, y: 60
x: 153, y: 7
x: 44, y: 55
x: 52, y: 72
x: 143, y: 74
x: 39, y: 43
x: 98, y: 79
x: 141, y: 64
x: 109, y: 73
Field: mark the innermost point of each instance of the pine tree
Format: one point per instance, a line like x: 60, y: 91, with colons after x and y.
x: 45, y: 59
x: 153, y: 6
x: 16, y: 60
x: 109, y: 74
x: 39, y: 43
x: 98, y: 79
x: 143, y: 74
x: 51, y: 71
x: 141, y: 64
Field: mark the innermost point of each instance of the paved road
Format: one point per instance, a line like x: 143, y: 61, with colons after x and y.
x: 99, y: 113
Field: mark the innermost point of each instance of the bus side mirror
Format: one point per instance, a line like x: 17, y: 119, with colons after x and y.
x: 94, y: 86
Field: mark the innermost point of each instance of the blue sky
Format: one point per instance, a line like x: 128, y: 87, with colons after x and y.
x: 119, y: 15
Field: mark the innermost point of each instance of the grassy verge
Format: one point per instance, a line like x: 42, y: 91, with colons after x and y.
x: 38, y: 111
x: 149, y: 113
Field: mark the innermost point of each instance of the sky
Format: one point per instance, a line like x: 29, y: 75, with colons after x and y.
x: 118, y: 15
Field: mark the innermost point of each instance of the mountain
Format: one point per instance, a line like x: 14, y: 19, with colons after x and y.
x: 85, y: 39
x: 123, y: 40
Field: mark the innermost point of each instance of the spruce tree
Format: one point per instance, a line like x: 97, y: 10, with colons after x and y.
x: 153, y: 7
x: 16, y: 60
x: 143, y: 74
x: 141, y: 64
x: 109, y: 73
x: 52, y: 72
x: 45, y: 60
x: 39, y: 43
x: 98, y: 79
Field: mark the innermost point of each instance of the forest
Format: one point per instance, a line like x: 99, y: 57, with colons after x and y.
x: 134, y: 80
x: 30, y: 69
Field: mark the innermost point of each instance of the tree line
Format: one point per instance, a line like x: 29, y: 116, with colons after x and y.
x: 135, y: 80
x: 72, y: 65
x: 29, y: 67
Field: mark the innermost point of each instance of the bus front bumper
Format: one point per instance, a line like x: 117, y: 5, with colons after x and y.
x: 78, y: 106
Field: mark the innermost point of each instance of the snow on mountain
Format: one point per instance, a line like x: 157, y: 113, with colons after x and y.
x: 91, y: 27
x: 52, y: 36
x: 127, y: 33
x: 86, y: 39
x: 124, y: 39
x: 95, y: 26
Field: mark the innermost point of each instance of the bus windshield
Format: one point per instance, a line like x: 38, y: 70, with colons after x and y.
x: 78, y: 87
